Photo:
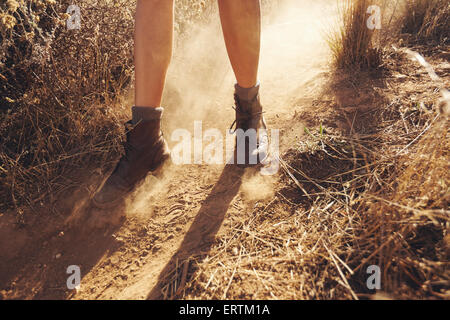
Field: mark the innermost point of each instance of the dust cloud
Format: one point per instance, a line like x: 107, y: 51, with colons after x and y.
x: 200, y: 80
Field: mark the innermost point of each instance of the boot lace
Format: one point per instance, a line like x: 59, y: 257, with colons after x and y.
x: 241, y: 115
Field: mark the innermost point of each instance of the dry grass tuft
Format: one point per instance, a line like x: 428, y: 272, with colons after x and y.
x: 352, y: 45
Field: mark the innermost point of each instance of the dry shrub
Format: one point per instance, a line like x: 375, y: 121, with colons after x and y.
x: 78, y: 66
x: 352, y: 45
x: 59, y: 90
x: 426, y: 20
x: 187, y: 13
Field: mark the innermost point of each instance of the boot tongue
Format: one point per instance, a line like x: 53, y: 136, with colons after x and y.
x: 145, y: 114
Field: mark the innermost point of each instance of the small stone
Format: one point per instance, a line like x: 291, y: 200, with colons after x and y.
x: 114, y: 259
x: 58, y: 255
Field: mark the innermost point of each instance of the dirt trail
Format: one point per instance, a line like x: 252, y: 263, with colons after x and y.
x: 178, y: 218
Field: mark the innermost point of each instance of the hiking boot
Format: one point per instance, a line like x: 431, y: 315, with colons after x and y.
x: 252, y: 141
x: 145, y: 151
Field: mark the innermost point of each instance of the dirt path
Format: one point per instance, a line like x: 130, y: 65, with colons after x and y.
x: 178, y: 218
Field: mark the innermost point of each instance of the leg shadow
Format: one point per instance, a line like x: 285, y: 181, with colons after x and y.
x: 39, y: 269
x: 200, y: 237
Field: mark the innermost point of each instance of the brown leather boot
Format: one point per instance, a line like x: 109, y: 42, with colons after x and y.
x: 252, y: 141
x: 145, y: 151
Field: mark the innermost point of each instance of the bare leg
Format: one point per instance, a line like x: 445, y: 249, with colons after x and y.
x: 153, y: 50
x: 145, y: 149
x: 241, y: 25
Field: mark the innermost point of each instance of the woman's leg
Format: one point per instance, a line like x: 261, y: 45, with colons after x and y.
x: 241, y: 25
x: 146, y: 149
x: 153, y: 50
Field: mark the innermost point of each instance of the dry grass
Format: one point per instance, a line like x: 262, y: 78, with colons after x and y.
x: 379, y: 197
x: 352, y: 45
x: 58, y: 90
x: 414, y: 249
x: 426, y: 20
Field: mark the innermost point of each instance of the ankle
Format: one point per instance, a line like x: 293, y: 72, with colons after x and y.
x: 146, y: 114
x: 247, y: 94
